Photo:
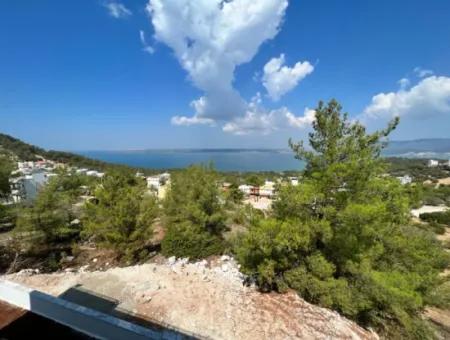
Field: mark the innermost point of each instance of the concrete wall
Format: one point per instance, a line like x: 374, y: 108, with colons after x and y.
x: 82, y: 319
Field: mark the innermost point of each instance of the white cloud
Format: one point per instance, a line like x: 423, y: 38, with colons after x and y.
x: 145, y: 46
x: 259, y: 120
x: 117, y: 10
x: 422, y: 73
x: 430, y: 96
x: 210, y: 39
x: 404, y: 83
x: 279, y: 79
x: 187, y: 121
x: 307, y: 119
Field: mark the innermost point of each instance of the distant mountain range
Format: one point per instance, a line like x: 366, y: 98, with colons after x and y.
x: 421, y: 148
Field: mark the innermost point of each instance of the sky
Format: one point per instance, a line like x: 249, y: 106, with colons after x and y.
x: 146, y: 74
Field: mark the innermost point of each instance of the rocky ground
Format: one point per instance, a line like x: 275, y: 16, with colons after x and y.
x: 207, y: 299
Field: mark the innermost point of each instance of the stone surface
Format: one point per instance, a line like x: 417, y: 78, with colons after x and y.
x: 203, y: 299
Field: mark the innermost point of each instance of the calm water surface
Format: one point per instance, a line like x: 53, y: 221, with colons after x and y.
x: 224, y: 160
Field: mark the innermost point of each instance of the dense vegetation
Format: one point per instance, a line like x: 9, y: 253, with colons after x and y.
x: 341, y: 238
x: 194, y: 215
x: 6, y: 211
x: 121, y: 216
x: 49, y: 217
x: 437, y: 217
x: 432, y: 195
x: 6, y: 167
x: 416, y: 168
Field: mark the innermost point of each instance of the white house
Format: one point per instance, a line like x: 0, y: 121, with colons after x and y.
x: 153, y: 182
x: 294, y: 181
x: 158, y: 184
x: 405, y: 179
x: 94, y: 173
x: 432, y: 163
x: 268, y: 189
x: 246, y: 189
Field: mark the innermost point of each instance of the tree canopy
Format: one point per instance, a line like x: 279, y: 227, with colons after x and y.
x: 121, y: 216
x: 342, y: 238
x: 6, y: 166
x: 194, y: 215
x: 51, y: 214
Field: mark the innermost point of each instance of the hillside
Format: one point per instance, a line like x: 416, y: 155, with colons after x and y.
x: 28, y: 152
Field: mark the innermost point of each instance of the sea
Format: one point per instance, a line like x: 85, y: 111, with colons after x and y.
x: 242, y: 160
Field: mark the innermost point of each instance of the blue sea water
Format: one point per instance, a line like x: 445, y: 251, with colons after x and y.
x: 224, y: 160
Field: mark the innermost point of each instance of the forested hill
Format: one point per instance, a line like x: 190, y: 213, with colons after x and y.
x: 28, y: 152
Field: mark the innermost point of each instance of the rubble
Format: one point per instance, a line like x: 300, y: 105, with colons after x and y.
x: 205, y: 298
x: 28, y: 272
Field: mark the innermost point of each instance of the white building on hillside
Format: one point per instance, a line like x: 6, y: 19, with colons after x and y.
x: 246, y: 189
x: 432, y: 163
x: 268, y: 189
x: 294, y: 181
x: 158, y: 184
x: 95, y: 173
x: 153, y: 182
x: 405, y: 179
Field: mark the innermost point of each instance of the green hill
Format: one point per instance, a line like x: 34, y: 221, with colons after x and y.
x: 28, y: 152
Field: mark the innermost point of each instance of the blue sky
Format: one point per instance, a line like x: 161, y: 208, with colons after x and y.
x: 80, y: 75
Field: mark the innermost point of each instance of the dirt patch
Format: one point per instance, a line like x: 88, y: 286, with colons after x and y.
x: 441, y: 318
x: 444, y: 181
x: 207, y: 299
x: 445, y: 236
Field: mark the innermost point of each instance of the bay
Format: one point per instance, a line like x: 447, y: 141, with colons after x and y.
x: 224, y: 159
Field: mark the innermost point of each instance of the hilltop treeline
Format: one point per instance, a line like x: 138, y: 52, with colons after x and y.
x: 27, y: 152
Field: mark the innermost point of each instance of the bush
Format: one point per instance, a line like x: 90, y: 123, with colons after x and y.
x: 194, y: 215
x: 6, y: 166
x: 437, y: 217
x: 122, y: 216
x: 49, y: 217
x: 186, y: 240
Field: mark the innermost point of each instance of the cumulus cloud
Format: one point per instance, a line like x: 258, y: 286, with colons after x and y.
x: 422, y: 73
x: 146, y: 47
x: 257, y: 119
x: 210, y: 38
x: 430, y: 96
x: 117, y: 10
x: 278, y: 79
x: 307, y: 119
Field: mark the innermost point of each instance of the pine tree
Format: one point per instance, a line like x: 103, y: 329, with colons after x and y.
x: 194, y: 215
x: 341, y: 238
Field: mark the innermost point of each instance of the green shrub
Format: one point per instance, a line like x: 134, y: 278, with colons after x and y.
x: 437, y: 217
x: 186, y: 240
x: 49, y: 217
x: 122, y: 216
x: 194, y: 215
